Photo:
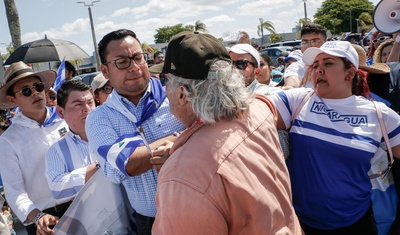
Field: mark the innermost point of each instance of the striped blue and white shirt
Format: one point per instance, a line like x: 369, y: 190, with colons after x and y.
x: 66, y: 163
x: 107, y: 127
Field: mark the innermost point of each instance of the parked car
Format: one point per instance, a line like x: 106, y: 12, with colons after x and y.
x: 275, y: 52
x: 86, y: 77
x: 294, y: 43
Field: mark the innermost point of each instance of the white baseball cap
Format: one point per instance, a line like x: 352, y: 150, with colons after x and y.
x: 98, y: 82
x: 335, y: 48
x: 296, y: 55
x: 245, y: 48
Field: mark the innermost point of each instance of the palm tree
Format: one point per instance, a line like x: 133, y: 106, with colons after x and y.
x: 365, y: 19
x: 268, y: 25
x: 13, y: 22
x: 200, y: 26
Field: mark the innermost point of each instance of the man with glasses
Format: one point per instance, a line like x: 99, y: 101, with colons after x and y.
x: 134, y: 120
x: 312, y: 35
x: 24, y: 144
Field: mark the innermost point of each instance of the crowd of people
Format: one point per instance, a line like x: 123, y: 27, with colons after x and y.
x: 209, y: 139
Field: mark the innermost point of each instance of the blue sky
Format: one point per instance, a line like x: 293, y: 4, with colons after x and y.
x: 68, y: 20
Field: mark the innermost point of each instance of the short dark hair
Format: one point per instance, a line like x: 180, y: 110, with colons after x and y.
x: 114, y: 35
x: 313, y: 28
x: 68, y: 66
x: 157, y: 53
x: 67, y: 87
x: 266, y: 58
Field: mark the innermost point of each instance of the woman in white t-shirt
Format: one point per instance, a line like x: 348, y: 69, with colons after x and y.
x: 332, y: 140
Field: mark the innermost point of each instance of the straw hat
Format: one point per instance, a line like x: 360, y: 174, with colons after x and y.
x: 377, y: 68
x: 18, y: 71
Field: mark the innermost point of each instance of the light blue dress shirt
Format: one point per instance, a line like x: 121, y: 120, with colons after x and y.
x: 105, y: 126
x: 66, y: 163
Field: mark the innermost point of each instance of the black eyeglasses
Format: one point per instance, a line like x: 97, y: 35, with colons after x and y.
x: 125, y: 62
x: 27, y: 91
x: 381, y: 39
x: 241, y: 64
x: 107, y: 89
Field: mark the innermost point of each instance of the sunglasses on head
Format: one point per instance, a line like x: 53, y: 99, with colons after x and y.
x: 27, y: 91
x: 381, y: 39
x: 241, y: 64
x: 107, y: 89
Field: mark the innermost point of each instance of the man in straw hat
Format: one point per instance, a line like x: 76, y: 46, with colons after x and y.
x: 226, y: 173
x: 24, y: 145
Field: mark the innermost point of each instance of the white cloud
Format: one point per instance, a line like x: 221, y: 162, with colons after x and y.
x: 218, y: 20
x: 120, y: 12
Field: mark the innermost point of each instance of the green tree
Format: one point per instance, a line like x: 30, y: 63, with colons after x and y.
x: 10, y: 49
x: 164, y: 34
x: 268, y: 25
x: 344, y: 10
x: 365, y: 20
x: 200, y: 26
x: 13, y: 22
x: 274, y: 37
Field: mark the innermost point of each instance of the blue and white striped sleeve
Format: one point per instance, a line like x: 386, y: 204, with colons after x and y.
x: 62, y: 183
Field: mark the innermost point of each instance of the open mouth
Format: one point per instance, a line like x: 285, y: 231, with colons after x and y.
x: 37, y: 100
x: 319, y: 80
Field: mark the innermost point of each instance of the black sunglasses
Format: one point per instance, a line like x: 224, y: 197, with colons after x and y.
x: 107, y: 89
x: 241, y: 64
x: 27, y: 91
x: 52, y: 96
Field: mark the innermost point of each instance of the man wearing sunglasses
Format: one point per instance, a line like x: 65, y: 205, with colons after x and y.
x: 134, y: 120
x: 246, y: 59
x: 24, y: 144
x: 312, y: 35
x: 158, y: 57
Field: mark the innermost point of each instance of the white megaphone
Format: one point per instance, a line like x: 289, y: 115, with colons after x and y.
x: 387, y: 16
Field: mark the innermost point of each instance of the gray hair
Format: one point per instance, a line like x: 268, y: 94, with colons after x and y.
x: 222, y: 95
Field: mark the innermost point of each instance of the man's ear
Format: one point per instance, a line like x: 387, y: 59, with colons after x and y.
x: 257, y: 72
x: 104, y: 70
x: 181, y: 95
x: 60, y: 111
x: 11, y: 99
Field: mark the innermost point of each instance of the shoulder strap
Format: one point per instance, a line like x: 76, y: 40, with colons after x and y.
x: 303, y: 102
x: 385, y: 136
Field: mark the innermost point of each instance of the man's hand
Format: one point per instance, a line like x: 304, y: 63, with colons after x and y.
x: 160, y: 155
x: 43, y: 224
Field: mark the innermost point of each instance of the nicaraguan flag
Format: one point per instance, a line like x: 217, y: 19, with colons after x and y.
x: 117, y: 153
x: 60, y: 76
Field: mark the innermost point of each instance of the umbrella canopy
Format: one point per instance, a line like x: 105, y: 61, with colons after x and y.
x: 46, y: 50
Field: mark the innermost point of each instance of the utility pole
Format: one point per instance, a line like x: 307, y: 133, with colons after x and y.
x: 305, y: 11
x: 96, y: 51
